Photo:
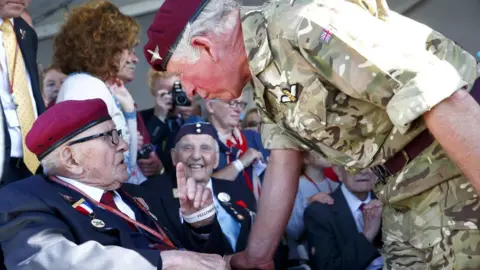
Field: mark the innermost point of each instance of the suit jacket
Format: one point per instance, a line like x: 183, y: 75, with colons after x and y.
x: 28, y: 43
x: 39, y: 229
x: 242, y: 202
x: 333, y: 236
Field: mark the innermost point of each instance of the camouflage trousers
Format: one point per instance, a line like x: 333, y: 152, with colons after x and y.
x: 431, y: 216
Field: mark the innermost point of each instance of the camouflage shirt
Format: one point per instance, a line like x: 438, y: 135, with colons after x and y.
x: 347, y: 79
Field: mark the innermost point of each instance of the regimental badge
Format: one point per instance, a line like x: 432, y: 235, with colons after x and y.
x: 327, y: 34
x: 97, y: 223
x: 289, y: 95
x: 23, y: 33
x: 155, y: 55
x: 67, y: 198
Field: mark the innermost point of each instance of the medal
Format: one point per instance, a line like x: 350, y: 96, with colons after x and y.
x: 223, y: 197
x: 97, y: 223
x: 240, y: 217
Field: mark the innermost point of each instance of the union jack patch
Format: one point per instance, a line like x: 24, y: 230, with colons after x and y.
x: 327, y: 34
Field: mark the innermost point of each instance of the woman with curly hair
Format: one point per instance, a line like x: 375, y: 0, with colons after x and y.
x: 92, y: 47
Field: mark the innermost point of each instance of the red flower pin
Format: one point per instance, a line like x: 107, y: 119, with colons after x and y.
x: 241, y: 203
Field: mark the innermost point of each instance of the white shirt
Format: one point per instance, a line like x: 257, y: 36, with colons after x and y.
x: 354, y: 204
x: 230, y: 227
x: 7, y: 101
x: 97, y: 193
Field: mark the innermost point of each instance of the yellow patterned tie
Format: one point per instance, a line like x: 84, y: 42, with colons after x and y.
x: 21, y: 92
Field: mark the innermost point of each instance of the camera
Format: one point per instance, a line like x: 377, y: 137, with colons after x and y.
x: 179, y: 96
x: 144, y: 153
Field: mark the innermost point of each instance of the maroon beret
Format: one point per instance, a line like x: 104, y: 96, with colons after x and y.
x: 198, y: 128
x: 167, y: 27
x: 63, y: 121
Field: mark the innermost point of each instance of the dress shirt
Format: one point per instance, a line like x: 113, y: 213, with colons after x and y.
x: 97, y: 193
x: 7, y: 102
x: 306, y: 189
x: 230, y: 227
x: 354, y: 204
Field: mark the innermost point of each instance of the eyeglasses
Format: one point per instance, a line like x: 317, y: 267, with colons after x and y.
x: 235, y: 103
x: 114, y: 134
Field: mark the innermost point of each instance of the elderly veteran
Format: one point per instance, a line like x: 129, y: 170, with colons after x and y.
x: 79, y: 217
x: 341, y: 79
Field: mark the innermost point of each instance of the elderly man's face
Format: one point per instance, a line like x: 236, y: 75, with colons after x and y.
x: 363, y: 181
x: 12, y: 8
x: 199, y: 154
x: 101, y: 161
x: 128, y: 66
x: 222, y: 69
x: 227, y: 114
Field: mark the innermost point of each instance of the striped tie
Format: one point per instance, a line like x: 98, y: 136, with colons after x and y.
x: 17, y: 76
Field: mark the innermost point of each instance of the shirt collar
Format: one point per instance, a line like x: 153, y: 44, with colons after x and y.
x: 93, y: 192
x: 352, y: 200
x: 1, y: 20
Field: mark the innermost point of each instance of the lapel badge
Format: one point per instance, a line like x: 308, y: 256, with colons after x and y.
x: 97, y: 223
x: 223, y: 197
x: 289, y: 95
x: 240, y: 217
x: 67, y: 198
x: 155, y: 55
x: 175, y: 193
x: 23, y: 33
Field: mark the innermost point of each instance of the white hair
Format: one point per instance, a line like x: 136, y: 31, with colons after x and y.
x: 213, y: 19
x: 49, y: 163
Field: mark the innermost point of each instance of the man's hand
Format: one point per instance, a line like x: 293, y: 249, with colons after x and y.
x: 150, y: 166
x: 321, y: 197
x: 372, y: 219
x: 240, y: 261
x: 251, y: 156
x: 174, y: 259
x: 193, y: 197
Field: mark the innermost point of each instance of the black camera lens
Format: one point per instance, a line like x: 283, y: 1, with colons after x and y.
x: 181, y: 100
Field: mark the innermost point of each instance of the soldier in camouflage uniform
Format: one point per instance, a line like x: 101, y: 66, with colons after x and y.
x: 352, y: 90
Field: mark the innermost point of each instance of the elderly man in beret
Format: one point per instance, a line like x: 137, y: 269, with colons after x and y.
x: 79, y: 217
x: 356, y: 82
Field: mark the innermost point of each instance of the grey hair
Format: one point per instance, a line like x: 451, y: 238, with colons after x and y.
x: 213, y: 19
x: 49, y: 163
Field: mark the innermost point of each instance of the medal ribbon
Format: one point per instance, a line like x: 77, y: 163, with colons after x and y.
x: 160, y: 234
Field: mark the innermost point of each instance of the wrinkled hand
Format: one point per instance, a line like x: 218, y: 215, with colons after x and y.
x: 240, y: 261
x: 173, y: 260
x: 123, y: 96
x: 163, y: 101
x: 372, y: 219
x: 150, y: 166
x: 321, y: 197
x: 193, y: 197
x: 251, y: 156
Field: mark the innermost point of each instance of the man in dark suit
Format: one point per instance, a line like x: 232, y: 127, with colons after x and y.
x: 21, y: 98
x: 80, y: 218
x: 345, y: 234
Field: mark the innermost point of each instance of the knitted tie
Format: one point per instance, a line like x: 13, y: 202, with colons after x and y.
x: 107, y: 199
x: 17, y: 76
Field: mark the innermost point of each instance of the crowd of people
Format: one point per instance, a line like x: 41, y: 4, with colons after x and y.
x: 353, y: 157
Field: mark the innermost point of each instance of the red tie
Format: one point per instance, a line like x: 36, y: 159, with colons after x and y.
x: 362, y: 206
x: 107, y: 199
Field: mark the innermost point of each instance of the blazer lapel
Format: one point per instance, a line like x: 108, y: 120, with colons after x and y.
x: 343, y: 215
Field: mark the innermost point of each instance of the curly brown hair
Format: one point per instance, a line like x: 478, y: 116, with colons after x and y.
x: 92, y: 40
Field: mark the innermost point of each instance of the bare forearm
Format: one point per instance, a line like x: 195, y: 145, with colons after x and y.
x: 227, y: 173
x: 455, y: 125
x: 276, y: 202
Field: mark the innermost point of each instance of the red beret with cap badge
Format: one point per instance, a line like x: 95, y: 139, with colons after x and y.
x: 166, y: 29
x: 62, y: 122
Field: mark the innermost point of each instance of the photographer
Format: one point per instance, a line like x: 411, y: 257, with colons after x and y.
x: 172, y: 109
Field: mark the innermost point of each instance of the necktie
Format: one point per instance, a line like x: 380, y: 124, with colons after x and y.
x: 17, y: 76
x: 107, y: 199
